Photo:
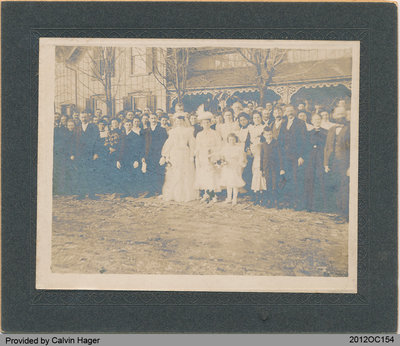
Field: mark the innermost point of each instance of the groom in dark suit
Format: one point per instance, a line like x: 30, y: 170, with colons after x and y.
x: 155, y: 137
x: 292, y: 138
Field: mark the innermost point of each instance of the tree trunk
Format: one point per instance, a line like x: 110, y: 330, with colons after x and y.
x: 262, y: 96
x: 109, y: 96
x: 180, y: 96
x: 110, y: 108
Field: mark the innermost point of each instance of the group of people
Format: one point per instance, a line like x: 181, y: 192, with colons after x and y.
x: 280, y: 156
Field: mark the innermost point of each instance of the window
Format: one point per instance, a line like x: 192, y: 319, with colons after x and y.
x: 151, y: 59
x: 139, y: 57
x: 143, y: 100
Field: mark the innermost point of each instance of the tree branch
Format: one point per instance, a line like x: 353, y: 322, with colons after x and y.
x: 242, y: 53
x: 96, y: 68
x: 160, y: 77
x: 87, y: 87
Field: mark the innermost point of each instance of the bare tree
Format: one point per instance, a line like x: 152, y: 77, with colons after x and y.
x: 103, y: 61
x: 102, y: 68
x: 265, y: 62
x: 171, y: 69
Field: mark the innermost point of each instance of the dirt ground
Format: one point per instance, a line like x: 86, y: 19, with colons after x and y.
x: 150, y: 236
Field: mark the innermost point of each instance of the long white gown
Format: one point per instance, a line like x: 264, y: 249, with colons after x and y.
x: 257, y: 182
x: 208, y: 146
x: 179, y: 176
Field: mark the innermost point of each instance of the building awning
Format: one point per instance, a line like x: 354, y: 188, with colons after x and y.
x: 322, y: 72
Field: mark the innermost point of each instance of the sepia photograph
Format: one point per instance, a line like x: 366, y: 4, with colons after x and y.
x: 198, y: 165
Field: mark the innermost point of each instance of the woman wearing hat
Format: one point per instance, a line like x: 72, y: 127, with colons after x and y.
x: 208, y: 143
x: 244, y: 139
x: 177, y: 153
x: 255, y: 131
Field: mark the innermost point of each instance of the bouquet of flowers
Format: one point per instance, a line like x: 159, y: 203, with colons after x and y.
x: 220, y: 163
x: 112, y: 139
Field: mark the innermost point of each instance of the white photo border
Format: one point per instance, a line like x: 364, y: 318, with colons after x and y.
x: 46, y: 279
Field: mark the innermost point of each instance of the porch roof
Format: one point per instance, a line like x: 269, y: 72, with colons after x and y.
x: 286, y: 73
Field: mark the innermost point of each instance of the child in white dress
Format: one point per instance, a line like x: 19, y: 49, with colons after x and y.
x: 234, y: 160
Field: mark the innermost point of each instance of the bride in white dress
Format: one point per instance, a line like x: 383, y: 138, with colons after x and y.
x: 177, y: 153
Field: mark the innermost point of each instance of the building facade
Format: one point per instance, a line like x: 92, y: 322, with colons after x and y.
x: 215, y: 76
x: 224, y: 76
x: 80, y: 80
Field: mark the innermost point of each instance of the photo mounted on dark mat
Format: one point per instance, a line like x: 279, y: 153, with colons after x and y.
x: 199, y: 167
x: 222, y: 165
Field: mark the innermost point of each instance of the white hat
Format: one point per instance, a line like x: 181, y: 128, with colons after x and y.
x: 205, y: 116
x: 202, y: 114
